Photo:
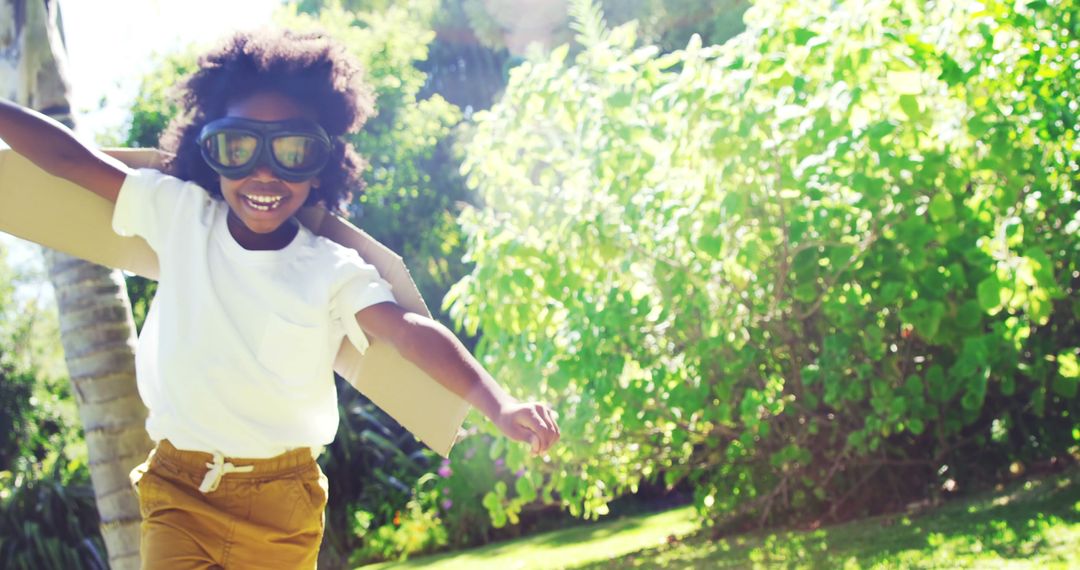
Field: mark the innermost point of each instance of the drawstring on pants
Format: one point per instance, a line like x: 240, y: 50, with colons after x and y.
x: 218, y: 469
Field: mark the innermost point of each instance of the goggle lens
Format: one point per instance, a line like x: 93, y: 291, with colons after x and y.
x: 231, y: 149
x: 294, y: 151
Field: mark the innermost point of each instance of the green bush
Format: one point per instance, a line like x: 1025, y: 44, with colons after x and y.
x: 36, y: 408
x: 819, y: 270
x: 16, y: 419
x: 49, y: 519
x: 413, y: 530
x: 474, y: 470
x: 48, y: 515
x: 371, y: 466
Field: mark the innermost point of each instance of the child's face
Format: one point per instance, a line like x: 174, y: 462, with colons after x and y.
x: 254, y: 198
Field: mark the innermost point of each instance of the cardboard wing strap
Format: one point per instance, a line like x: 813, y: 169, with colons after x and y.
x: 55, y: 213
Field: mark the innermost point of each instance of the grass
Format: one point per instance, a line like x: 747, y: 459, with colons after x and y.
x: 565, y: 548
x: 1032, y: 524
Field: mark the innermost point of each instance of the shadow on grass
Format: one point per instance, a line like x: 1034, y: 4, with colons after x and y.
x: 597, y: 531
x: 1029, y: 520
x: 554, y: 544
x: 588, y: 532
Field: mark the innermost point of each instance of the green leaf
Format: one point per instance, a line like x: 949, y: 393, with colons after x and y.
x: 980, y: 125
x: 496, y: 449
x: 1068, y: 365
x: 930, y: 322
x: 874, y: 343
x: 940, y: 387
x: 558, y: 55
x: 1042, y: 268
x: 910, y: 105
x: 914, y: 387
x: 805, y: 293
x: 941, y: 207
x: 951, y: 72
x: 1067, y: 380
x: 1008, y: 385
x: 881, y: 130
x: 1064, y: 386
x: 803, y: 36
x: 890, y: 291
x: 621, y: 99
x: 711, y: 244
x: 898, y: 406
x: 969, y: 316
x: 989, y: 293
x: 525, y: 488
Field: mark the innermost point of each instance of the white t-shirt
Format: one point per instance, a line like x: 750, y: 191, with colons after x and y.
x: 236, y: 354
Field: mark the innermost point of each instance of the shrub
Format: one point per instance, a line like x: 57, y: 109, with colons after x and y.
x: 474, y: 470
x: 413, y: 530
x: 816, y: 271
x: 48, y: 518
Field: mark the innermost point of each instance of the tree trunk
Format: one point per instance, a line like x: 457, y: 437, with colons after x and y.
x: 96, y: 327
x: 98, y: 335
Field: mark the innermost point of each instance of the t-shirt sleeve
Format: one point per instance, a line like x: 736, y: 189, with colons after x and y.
x: 361, y: 286
x: 148, y: 204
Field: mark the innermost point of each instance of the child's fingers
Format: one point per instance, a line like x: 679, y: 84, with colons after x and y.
x: 549, y: 428
x: 536, y: 425
x: 532, y: 428
x: 545, y: 427
x: 528, y: 435
x: 549, y: 415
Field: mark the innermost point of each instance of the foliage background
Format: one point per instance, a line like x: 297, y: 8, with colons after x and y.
x: 48, y: 518
x: 817, y: 271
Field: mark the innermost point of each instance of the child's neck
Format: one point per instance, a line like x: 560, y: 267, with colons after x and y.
x: 274, y: 240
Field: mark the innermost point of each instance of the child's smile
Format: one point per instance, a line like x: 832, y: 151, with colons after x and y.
x: 261, y: 204
x: 263, y: 197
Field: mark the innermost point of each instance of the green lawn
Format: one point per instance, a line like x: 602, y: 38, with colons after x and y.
x: 1034, y: 524
x: 565, y: 548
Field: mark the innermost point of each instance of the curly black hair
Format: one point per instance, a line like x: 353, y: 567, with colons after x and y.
x: 309, y: 68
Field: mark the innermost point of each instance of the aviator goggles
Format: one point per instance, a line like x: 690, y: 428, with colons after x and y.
x: 295, y: 149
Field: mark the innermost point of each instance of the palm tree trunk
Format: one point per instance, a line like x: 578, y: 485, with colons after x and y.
x: 98, y: 335
x: 96, y: 327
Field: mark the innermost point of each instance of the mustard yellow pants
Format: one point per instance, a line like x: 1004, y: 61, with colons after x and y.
x: 205, y: 512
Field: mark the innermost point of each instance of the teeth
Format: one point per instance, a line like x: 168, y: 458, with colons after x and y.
x: 263, y: 199
x: 263, y: 203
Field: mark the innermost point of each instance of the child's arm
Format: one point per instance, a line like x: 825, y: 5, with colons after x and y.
x: 436, y: 350
x: 54, y: 149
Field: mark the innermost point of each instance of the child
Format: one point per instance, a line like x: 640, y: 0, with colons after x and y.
x: 235, y: 356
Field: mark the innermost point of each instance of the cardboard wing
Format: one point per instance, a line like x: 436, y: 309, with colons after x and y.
x: 53, y: 212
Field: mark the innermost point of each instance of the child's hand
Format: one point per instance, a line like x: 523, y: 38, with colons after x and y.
x: 533, y: 423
